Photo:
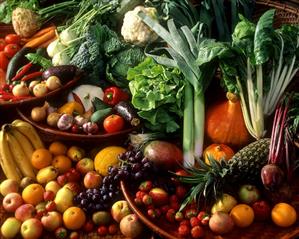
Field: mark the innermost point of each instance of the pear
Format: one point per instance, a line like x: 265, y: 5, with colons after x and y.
x: 224, y: 204
x: 46, y: 175
x: 64, y: 199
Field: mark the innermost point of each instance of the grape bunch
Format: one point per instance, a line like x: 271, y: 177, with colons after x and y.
x: 133, y: 168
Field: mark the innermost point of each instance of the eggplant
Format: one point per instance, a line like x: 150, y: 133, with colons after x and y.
x: 64, y: 72
x: 16, y: 62
x: 126, y: 110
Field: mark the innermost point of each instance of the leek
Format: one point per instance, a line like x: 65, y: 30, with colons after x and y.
x: 183, y: 50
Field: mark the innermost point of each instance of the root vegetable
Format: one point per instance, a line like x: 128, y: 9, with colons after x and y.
x: 39, y: 113
x: 65, y: 122
x: 53, y: 118
x: 53, y: 83
x: 40, y: 89
x: 20, y: 90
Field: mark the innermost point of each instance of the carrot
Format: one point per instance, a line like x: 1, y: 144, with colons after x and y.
x: 38, y: 34
x: 46, y: 43
x: 39, y: 40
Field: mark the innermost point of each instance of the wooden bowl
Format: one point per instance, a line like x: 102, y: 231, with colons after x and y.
x: 49, y: 134
x: 36, y: 100
x: 261, y: 230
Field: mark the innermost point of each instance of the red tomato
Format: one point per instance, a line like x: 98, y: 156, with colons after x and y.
x: 11, y: 49
x: 113, y: 123
x: 12, y: 38
x: 2, y: 44
x: 3, y: 61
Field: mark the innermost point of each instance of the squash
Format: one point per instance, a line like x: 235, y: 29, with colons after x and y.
x: 225, y: 123
x: 70, y: 108
x: 218, y: 152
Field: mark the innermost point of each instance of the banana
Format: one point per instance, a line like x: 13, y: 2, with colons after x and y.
x: 8, y: 165
x: 29, y: 131
x: 24, y: 142
x: 21, y: 159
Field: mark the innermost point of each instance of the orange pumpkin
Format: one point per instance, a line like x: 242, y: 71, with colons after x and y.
x: 225, y: 123
x: 218, y: 152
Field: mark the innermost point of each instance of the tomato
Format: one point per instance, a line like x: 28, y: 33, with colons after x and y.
x: 12, y: 38
x: 2, y: 44
x: 113, y: 123
x: 11, y: 49
x: 3, y: 61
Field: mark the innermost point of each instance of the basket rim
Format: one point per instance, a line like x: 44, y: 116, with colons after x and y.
x: 280, y: 6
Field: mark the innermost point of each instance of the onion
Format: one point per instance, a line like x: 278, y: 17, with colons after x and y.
x: 53, y: 83
x: 20, y: 90
x: 40, y: 89
x: 55, y: 47
x: 272, y: 176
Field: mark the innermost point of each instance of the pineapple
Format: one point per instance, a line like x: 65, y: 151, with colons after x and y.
x: 210, y: 181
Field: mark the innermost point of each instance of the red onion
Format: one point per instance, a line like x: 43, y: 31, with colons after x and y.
x: 272, y: 176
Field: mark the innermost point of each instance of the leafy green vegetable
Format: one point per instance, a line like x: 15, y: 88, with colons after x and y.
x: 36, y: 58
x: 157, y: 93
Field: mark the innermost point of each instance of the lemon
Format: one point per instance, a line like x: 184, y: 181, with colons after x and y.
x: 107, y: 157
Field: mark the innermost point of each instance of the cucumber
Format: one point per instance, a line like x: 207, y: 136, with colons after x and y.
x: 16, y: 62
x: 99, y: 115
x: 126, y: 110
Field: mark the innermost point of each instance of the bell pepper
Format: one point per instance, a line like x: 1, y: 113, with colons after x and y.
x: 113, y: 95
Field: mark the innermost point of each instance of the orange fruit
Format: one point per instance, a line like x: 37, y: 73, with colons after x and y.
x: 283, y: 215
x: 74, y: 218
x: 41, y: 158
x: 33, y: 194
x: 62, y: 163
x: 107, y: 157
x: 242, y: 215
x: 57, y: 148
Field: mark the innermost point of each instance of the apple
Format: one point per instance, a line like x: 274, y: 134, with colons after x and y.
x: 74, y: 187
x: 221, y: 223
x: 62, y: 180
x: 50, y: 206
x: 248, y: 194
x: 101, y: 218
x: 224, y: 204
x: 49, y: 195
x: 85, y: 165
x: 40, y: 209
x: 51, y: 220
x: 9, y: 186
x: 12, y: 201
x: 76, y: 153
x: 130, y: 226
x: 120, y: 209
x: 73, y: 175
x: 32, y: 228
x: 262, y: 210
x: 160, y: 196
x: 92, y: 179
x: 25, y: 212
x: 11, y: 227
x: 52, y: 186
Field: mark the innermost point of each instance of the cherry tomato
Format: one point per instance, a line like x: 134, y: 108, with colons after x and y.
x: 113, y: 123
x: 3, y: 61
x: 2, y: 44
x: 11, y: 49
x: 12, y: 38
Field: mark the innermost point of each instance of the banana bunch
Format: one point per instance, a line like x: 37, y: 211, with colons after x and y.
x: 18, y: 141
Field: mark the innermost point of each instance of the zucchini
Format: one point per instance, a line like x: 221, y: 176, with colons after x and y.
x: 16, y: 62
x: 99, y: 115
x: 126, y: 110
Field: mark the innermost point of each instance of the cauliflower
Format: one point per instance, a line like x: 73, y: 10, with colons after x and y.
x: 25, y: 22
x: 134, y: 30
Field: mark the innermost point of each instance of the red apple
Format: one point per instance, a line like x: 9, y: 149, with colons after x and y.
x: 92, y: 179
x: 74, y: 187
x: 12, y: 201
x: 120, y: 209
x: 31, y: 228
x: 221, y: 223
x: 73, y: 175
x: 130, y: 226
x: 62, y: 179
x: 74, y: 235
x: 9, y: 186
x: 50, y: 206
x: 25, y: 212
x: 52, y: 220
x: 49, y: 195
x: 85, y: 165
x: 262, y: 210
x: 160, y: 196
